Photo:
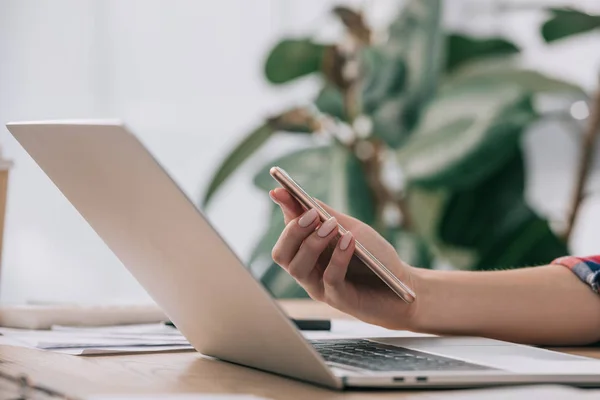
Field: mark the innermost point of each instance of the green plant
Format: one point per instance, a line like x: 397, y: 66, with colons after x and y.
x: 422, y: 136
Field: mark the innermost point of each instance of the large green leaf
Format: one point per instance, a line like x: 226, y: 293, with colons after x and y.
x: 500, y: 72
x: 332, y: 174
x: 331, y: 102
x: 295, y: 120
x: 381, y: 95
x: 532, y: 243
x: 410, y: 247
x: 307, y: 166
x: 400, y: 75
x: 481, y: 213
x: 349, y: 191
x: 384, y: 76
x: 461, y: 49
x: 416, y: 36
x: 240, y: 154
x: 427, y: 207
x: 466, y: 134
x: 390, y: 122
x: 486, y: 226
x: 568, y: 22
x: 293, y: 58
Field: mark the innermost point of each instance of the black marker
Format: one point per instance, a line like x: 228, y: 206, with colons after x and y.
x: 312, y: 324
x: 302, y: 324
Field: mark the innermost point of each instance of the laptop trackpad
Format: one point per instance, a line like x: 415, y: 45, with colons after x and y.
x: 497, y: 354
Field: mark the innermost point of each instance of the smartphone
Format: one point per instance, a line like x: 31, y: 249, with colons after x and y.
x: 307, y: 202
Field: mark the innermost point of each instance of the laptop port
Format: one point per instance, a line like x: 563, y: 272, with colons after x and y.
x: 421, y: 379
x: 398, y: 379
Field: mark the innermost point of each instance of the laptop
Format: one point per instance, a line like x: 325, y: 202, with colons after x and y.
x: 189, y: 270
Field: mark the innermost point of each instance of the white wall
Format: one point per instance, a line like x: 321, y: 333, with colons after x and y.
x: 186, y: 75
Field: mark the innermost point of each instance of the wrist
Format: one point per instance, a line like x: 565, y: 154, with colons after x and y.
x: 417, y: 314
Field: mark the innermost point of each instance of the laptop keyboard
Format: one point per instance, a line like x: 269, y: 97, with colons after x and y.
x: 374, y: 356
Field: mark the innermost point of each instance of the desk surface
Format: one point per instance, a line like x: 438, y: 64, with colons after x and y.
x: 186, y: 372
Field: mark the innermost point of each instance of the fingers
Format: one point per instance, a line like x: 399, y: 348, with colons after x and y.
x: 289, y: 206
x: 307, y: 256
x: 300, y: 246
x: 334, y: 277
x: 293, y: 235
x: 292, y: 209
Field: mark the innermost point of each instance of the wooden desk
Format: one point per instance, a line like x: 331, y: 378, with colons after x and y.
x: 183, y: 372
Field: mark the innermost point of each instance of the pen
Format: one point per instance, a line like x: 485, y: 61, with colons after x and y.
x: 302, y: 324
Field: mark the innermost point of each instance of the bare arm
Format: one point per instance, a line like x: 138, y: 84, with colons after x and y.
x: 545, y: 305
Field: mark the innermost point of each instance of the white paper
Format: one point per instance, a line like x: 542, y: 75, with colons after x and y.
x: 103, y: 340
x: 62, y: 339
x: 150, y: 338
x: 96, y: 351
x: 179, y: 397
x: 139, y: 329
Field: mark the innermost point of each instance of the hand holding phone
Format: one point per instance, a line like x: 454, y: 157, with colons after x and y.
x: 370, y: 261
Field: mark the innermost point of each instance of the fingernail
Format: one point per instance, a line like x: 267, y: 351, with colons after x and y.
x: 272, y: 196
x: 308, y: 218
x: 345, y: 241
x: 327, y: 227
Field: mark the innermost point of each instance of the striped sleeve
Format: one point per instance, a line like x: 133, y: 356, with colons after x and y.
x: 586, y: 268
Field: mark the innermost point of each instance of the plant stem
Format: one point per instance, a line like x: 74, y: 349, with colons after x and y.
x: 350, y: 89
x: 407, y: 223
x: 585, y: 163
x: 372, y: 167
x: 383, y: 196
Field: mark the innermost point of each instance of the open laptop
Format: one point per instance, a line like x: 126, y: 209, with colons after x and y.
x: 187, y: 268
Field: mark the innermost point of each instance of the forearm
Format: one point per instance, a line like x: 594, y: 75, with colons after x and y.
x: 545, y: 305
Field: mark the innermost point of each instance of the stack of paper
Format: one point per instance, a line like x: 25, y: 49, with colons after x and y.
x: 99, y: 340
x: 169, y: 396
x: 156, y: 337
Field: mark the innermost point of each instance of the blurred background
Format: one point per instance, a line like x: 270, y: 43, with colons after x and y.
x: 188, y: 77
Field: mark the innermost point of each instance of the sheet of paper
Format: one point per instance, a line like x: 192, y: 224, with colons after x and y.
x: 144, y: 338
x: 65, y: 339
x: 179, y: 397
x: 97, y: 351
x: 139, y: 329
x: 103, y: 340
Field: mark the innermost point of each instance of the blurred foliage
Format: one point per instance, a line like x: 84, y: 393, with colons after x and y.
x: 444, y: 109
x: 568, y: 22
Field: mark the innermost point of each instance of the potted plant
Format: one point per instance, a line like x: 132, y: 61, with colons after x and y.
x: 419, y: 135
